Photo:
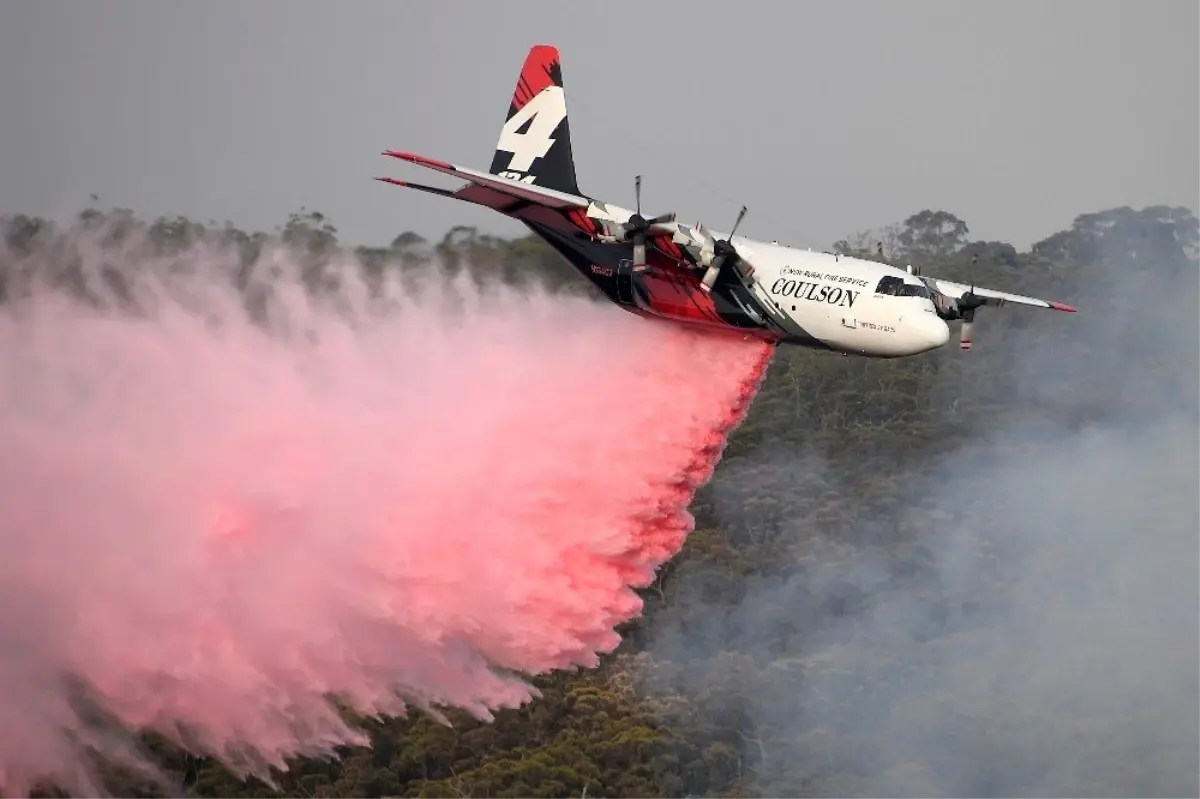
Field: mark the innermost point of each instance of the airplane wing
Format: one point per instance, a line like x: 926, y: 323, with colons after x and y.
x: 517, y: 190
x: 992, y: 297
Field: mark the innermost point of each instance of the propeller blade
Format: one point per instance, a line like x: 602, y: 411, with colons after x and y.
x: 637, y: 193
x: 968, y: 322
x: 661, y: 218
x: 639, y: 251
x: 741, y: 216
x: 714, y: 271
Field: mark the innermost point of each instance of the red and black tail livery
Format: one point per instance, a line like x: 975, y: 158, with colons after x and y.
x: 535, y: 142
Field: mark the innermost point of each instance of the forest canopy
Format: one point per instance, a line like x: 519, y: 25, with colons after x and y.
x: 880, y: 563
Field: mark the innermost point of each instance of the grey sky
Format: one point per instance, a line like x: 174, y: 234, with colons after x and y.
x: 823, y: 117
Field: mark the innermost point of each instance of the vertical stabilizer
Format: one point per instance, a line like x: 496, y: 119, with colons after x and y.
x: 535, y: 142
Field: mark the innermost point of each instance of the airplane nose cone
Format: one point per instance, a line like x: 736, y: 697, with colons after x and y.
x: 935, y: 331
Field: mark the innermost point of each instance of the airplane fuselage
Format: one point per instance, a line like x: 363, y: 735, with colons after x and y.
x: 845, y: 303
x: 799, y: 297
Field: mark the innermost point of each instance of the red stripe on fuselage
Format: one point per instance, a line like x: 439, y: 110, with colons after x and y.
x: 668, y: 246
x: 677, y: 296
x: 584, y: 222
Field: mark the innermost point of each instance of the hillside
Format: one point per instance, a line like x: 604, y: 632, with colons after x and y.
x: 960, y: 573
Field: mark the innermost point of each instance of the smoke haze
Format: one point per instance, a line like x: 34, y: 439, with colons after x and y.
x: 1018, y: 616
x: 214, y: 518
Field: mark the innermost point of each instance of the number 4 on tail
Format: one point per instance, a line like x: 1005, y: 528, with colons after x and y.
x: 542, y: 114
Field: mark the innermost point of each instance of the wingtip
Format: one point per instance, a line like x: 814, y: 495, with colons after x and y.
x: 1062, y: 306
x: 403, y: 155
x: 419, y: 160
x: 393, y: 181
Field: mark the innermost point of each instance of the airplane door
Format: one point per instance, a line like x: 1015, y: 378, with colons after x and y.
x: 625, y: 281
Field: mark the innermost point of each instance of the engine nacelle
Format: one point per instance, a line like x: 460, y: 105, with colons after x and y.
x: 947, y: 307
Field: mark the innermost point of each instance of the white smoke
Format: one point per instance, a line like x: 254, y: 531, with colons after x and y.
x: 1037, y: 635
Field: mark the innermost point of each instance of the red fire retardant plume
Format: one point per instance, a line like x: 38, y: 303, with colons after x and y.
x: 208, y: 530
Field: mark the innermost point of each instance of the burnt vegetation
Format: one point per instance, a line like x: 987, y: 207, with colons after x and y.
x: 838, y: 457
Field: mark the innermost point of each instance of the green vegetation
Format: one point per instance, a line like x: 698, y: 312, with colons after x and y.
x: 731, y: 683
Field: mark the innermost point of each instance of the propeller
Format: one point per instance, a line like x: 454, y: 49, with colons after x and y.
x: 721, y: 249
x: 967, y: 304
x: 637, y: 225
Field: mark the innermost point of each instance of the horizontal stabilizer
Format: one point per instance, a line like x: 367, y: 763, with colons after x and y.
x: 421, y: 187
x: 522, y: 191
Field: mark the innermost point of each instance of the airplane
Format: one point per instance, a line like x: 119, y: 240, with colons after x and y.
x: 656, y: 267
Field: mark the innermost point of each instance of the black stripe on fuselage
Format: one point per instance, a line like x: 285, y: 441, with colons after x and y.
x: 582, y: 253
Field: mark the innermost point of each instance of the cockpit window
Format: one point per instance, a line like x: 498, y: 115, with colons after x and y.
x: 890, y: 285
x: 898, y: 288
x: 911, y: 290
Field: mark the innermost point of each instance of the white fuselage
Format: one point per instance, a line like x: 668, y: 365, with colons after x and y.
x: 849, y: 304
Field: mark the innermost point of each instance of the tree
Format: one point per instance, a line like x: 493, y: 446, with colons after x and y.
x: 880, y: 244
x: 1137, y: 239
x: 931, y: 236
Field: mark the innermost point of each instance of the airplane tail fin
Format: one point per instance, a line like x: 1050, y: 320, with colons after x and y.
x: 535, y: 142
